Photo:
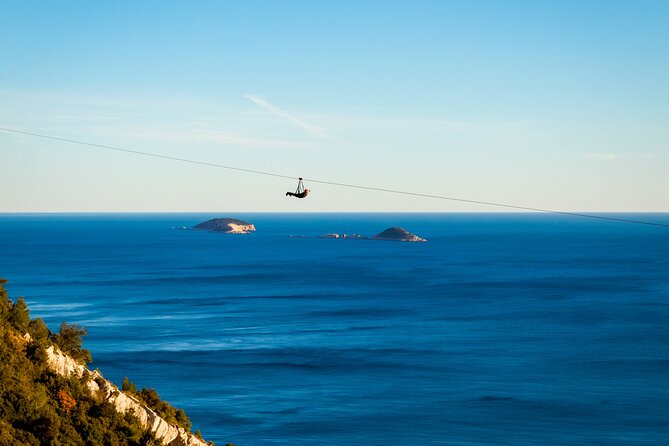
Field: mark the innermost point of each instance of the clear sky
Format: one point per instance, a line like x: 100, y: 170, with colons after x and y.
x: 555, y: 104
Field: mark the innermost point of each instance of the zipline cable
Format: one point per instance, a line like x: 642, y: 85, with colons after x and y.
x: 332, y: 183
x: 137, y: 152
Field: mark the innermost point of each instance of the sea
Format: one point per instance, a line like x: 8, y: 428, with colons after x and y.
x: 501, y: 329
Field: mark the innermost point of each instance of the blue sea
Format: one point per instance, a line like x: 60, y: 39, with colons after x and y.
x: 502, y: 329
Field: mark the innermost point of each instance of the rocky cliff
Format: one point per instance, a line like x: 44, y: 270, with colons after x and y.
x: 227, y: 225
x: 168, y: 434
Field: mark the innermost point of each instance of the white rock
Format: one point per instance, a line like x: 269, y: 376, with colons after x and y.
x: 169, y: 434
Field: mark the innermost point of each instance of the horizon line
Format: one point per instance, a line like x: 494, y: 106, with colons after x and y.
x: 322, y: 212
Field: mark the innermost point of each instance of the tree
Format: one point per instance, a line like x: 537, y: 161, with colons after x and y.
x: 128, y: 386
x: 40, y: 335
x: 38, y: 330
x: 5, y: 304
x: 69, y: 339
x: 19, y: 315
x: 182, y: 419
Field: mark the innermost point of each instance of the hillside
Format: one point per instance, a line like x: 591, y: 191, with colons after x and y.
x: 49, y: 397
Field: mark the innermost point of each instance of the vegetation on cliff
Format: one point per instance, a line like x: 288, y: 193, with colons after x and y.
x: 40, y: 407
x: 150, y: 397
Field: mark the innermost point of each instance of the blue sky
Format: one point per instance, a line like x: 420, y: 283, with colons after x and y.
x: 561, y: 105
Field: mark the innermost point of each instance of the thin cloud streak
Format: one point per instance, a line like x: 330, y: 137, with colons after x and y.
x: 262, y: 103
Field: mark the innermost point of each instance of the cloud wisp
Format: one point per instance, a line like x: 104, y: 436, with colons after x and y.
x: 276, y: 111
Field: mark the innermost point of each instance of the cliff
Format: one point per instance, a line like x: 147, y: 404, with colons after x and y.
x: 48, y: 396
x: 398, y: 234
x: 168, y: 434
x: 227, y: 225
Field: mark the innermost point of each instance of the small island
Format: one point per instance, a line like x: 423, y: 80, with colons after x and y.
x: 226, y: 225
x: 399, y: 235
x: 395, y: 234
x: 334, y: 235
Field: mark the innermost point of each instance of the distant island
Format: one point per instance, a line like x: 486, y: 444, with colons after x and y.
x: 395, y: 234
x: 343, y: 236
x: 398, y: 234
x: 237, y: 226
x: 227, y: 225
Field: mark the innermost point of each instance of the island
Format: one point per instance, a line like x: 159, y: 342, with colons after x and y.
x: 334, y: 235
x: 398, y: 234
x: 226, y: 225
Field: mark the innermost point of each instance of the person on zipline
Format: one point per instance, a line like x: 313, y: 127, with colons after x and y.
x: 301, y: 192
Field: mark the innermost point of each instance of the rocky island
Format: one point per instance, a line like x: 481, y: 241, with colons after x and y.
x: 227, y: 225
x: 399, y: 235
x: 396, y: 234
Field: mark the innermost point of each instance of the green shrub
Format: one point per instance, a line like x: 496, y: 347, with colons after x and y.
x: 151, y: 398
x: 19, y: 316
x: 128, y: 386
x: 38, y: 331
x: 69, y: 340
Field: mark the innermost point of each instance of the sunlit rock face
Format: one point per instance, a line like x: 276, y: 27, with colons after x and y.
x: 168, y: 434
